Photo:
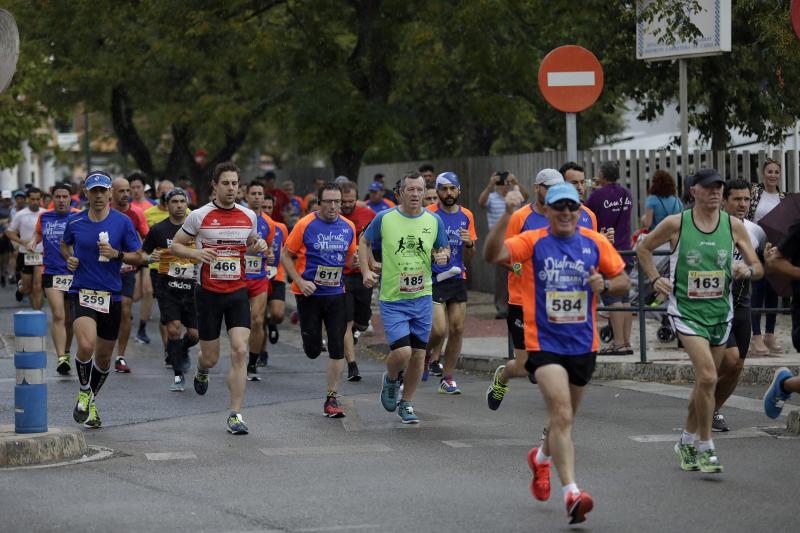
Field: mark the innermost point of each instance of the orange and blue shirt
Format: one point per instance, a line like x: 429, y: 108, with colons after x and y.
x: 381, y: 205
x: 453, y: 224
x: 278, y: 242
x: 322, y: 249
x: 558, y: 304
x: 255, y: 264
x: 50, y: 228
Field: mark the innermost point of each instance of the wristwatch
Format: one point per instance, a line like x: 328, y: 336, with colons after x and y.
x: 120, y: 255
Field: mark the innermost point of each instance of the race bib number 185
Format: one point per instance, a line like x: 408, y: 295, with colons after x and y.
x: 412, y: 282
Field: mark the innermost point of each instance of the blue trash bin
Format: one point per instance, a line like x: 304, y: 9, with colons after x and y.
x: 30, y: 361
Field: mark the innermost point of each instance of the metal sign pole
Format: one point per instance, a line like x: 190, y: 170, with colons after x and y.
x: 684, y: 105
x: 572, y: 137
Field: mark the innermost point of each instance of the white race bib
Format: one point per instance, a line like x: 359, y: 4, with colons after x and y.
x: 181, y: 270
x: 226, y: 268
x: 33, y: 258
x: 62, y: 282
x: 566, y: 307
x: 328, y: 276
x: 252, y: 264
x: 126, y: 268
x: 705, y: 284
x: 412, y: 282
x: 100, y: 301
x: 271, y: 271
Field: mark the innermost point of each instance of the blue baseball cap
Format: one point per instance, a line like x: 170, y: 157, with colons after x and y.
x: 376, y: 186
x: 561, y: 191
x: 97, y: 179
x: 447, y: 178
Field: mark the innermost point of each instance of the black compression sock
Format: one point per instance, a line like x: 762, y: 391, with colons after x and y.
x: 84, y: 371
x: 97, y: 379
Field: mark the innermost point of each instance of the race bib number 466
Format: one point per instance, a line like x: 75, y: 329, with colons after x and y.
x: 226, y: 268
x: 100, y: 301
x: 412, y: 282
x: 706, y: 284
x: 566, y: 307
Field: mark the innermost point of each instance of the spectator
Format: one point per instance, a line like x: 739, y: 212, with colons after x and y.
x: 662, y: 201
x: 612, y: 204
x: 376, y: 200
x: 6, y: 247
x: 281, y: 198
x: 573, y: 173
x: 764, y: 197
x: 492, y: 199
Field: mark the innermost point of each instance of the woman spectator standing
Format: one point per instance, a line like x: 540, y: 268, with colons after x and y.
x: 662, y: 201
x: 764, y: 197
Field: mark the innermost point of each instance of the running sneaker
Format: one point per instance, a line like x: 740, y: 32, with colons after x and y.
x: 142, y: 338
x: 436, y: 369
x: 81, y: 411
x: 497, y: 390
x: 352, y: 372
x: 178, y: 384
x: 252, y: 373
x: 540, y: 484
x: 709, y: 462
x: 406, y: 412
x: 389, y: 393
x: 121, y: 366
x: 448, y: 386
x: 688, y: 456
x: 294, y: 318
x: 324, y: 347
x: 63, y: 366
x: 578, y: 506
x: 425, y: 370
x: 774, y: 398
x: 719, y: 424
x: 236, y: 425
x: 93, y: 421
x: 263, y: 359
x: 200, y: 383
x: 273, y: 333
x: 332, y: 409
x: 167, y: 360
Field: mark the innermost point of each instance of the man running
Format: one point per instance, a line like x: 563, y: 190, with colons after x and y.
x: 175, y: 286
x: 29, y: 257
x: 358, y: 297
x: 700, y: 302
x: 529, y: 217
x: 276, y: 298
x: 120, y: 194
x: 57, y: 279
x: 219, y: 235
x: 376, y: 201
x: 96, y: 242
x: 316, y: 252
x: 449, y: 281
x: 570, y: 267
x: 405, y: 292
x: 257, y: 278
x: 736, y: 202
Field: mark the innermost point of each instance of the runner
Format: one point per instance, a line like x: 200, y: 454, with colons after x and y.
x: 175, y: 286
x: 257, y: 278
x: 138, y: 198
x: 736, y: 202
x: 120, y: 193
x: 700, y: 300
x: 376, y: 201
x: 430, y: 197
x: 96, y: 242
x: 407, y: 236
x: 29, y: 257
x: 449, y: 281
x: 276, y: 299
x: 358, y: 298
x: 530, y: 217
x: 223, y: 232
x: 57, y: 279
x: 570, y: 267
x: 316, y: 252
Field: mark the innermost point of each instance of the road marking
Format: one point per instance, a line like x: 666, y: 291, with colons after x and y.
x: 169, y: 456
x: 486, y: 443
x: 571, y: 79
x: 374, y: 527
x: 744, y: 433
x: 675, y: 391
x: 333, y: 449
x: 351, y: 422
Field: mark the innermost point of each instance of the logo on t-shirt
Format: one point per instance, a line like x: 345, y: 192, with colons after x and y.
x: 410, y: 245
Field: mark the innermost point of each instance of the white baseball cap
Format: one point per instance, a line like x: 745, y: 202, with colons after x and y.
x: 6, y: 194
x: 549, y: 177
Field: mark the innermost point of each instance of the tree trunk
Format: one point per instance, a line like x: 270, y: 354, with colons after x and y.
x: 347, y: 162
x: 122, y: 121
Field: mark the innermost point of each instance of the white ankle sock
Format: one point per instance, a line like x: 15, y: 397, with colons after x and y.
x: 687, y: 438
x: 571, y: 488
x: 703, y: 445
x: 541, y: 458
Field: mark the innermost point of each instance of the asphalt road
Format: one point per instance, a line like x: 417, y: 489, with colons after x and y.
x: 174, y: 467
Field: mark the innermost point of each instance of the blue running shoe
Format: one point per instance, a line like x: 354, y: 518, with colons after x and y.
x: 448, y: 386
x: 236, y: 425
x: 406, y: 412
x: 178, y: 384
x: 389, y: 393
x: 774, y: 397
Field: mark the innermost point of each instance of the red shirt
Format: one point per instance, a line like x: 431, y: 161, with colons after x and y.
x: 281, y: 203
x: 137, y: 217
x: 360, y: 217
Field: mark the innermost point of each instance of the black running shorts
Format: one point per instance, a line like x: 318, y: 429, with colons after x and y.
x: 450, y: 290
x: 278, y: 291
x: 176, y: 301
x: 213, y: 307
x: 579, y: 367
x: 313, y: 312
x: 107, y: 323
x: 516, y: 326
x: 739, y: 336
x: 358, y: 301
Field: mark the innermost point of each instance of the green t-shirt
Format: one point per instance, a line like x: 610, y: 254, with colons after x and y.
x: 406, y: 244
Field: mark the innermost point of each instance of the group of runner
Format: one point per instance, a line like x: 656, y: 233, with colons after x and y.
x: 227, y: 262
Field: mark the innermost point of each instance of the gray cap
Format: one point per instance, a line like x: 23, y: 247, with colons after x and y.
x: 341, y: 179
x: 549, y: 177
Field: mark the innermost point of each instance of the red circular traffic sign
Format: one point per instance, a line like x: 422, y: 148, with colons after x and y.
x: 795, y: 15
x: 570, y: 78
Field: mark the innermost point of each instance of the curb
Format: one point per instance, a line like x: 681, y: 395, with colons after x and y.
x: 38, y: 448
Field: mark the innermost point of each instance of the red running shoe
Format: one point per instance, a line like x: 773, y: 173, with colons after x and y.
x: 121, y: 366
x: 332, y: 408
x: 540, y: 484
x: 578, y: 506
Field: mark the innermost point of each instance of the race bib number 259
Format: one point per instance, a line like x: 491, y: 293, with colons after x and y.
x: 100, y: 301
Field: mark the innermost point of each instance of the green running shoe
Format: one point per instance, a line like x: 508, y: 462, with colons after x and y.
x: 709, y: 462
x: 236, y: 425
x: 497, y: 390
x: 81, y: 411
x: 93, y: 421
x: 688, y: 456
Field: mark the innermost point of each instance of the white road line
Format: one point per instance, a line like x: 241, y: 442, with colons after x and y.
x: 486, y: 443
x: 333, y: 449
x: 169, y: 456
x: 374, y: 527
x: 744, y: 433
x: 571, y: 79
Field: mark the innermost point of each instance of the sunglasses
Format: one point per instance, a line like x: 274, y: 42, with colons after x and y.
x: 565, y: 204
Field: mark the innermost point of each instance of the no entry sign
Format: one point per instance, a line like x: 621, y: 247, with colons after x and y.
x: 570, y: 78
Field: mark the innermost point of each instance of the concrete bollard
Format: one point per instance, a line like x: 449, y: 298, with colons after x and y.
x: 793, y: 423
x: 30, y: 361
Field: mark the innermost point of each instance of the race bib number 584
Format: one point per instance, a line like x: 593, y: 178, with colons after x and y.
x: 564, y: 307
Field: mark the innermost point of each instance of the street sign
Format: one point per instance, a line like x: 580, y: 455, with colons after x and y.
x: 795, y: 14
x: 570, y: 78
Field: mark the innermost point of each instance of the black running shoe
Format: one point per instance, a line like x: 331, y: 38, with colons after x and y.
x: 273, y: 333
x: 263, y: 359
x: 352, y: 372
x: 252, y: 373
x: 718, y: 424
x: 436, y: 369
x: 200, y: 383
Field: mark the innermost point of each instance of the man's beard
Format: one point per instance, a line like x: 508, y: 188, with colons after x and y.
x: 449, y: 201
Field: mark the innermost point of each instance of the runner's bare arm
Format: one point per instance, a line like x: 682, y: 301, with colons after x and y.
x: 72, y: 261
x: 667, y: 231
x: 494, y: 251
x: 618, y: 285
x: 287, y: 260
x: 180, y: 248
x: 14, y: 237
x: 365, y: 258
x: 752, y: 268
x: 776, y: 262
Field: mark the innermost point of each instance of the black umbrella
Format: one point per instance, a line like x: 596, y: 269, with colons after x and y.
x: 776, y: 225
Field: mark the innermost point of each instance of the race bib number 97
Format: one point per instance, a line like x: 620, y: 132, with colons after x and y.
x: 706, y: 284
x: 226, y: 268
x: 181, y: 270
x: 328, y: 276
x: 566, y: 307
x: 100, y: 301
x: 412, y: 282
